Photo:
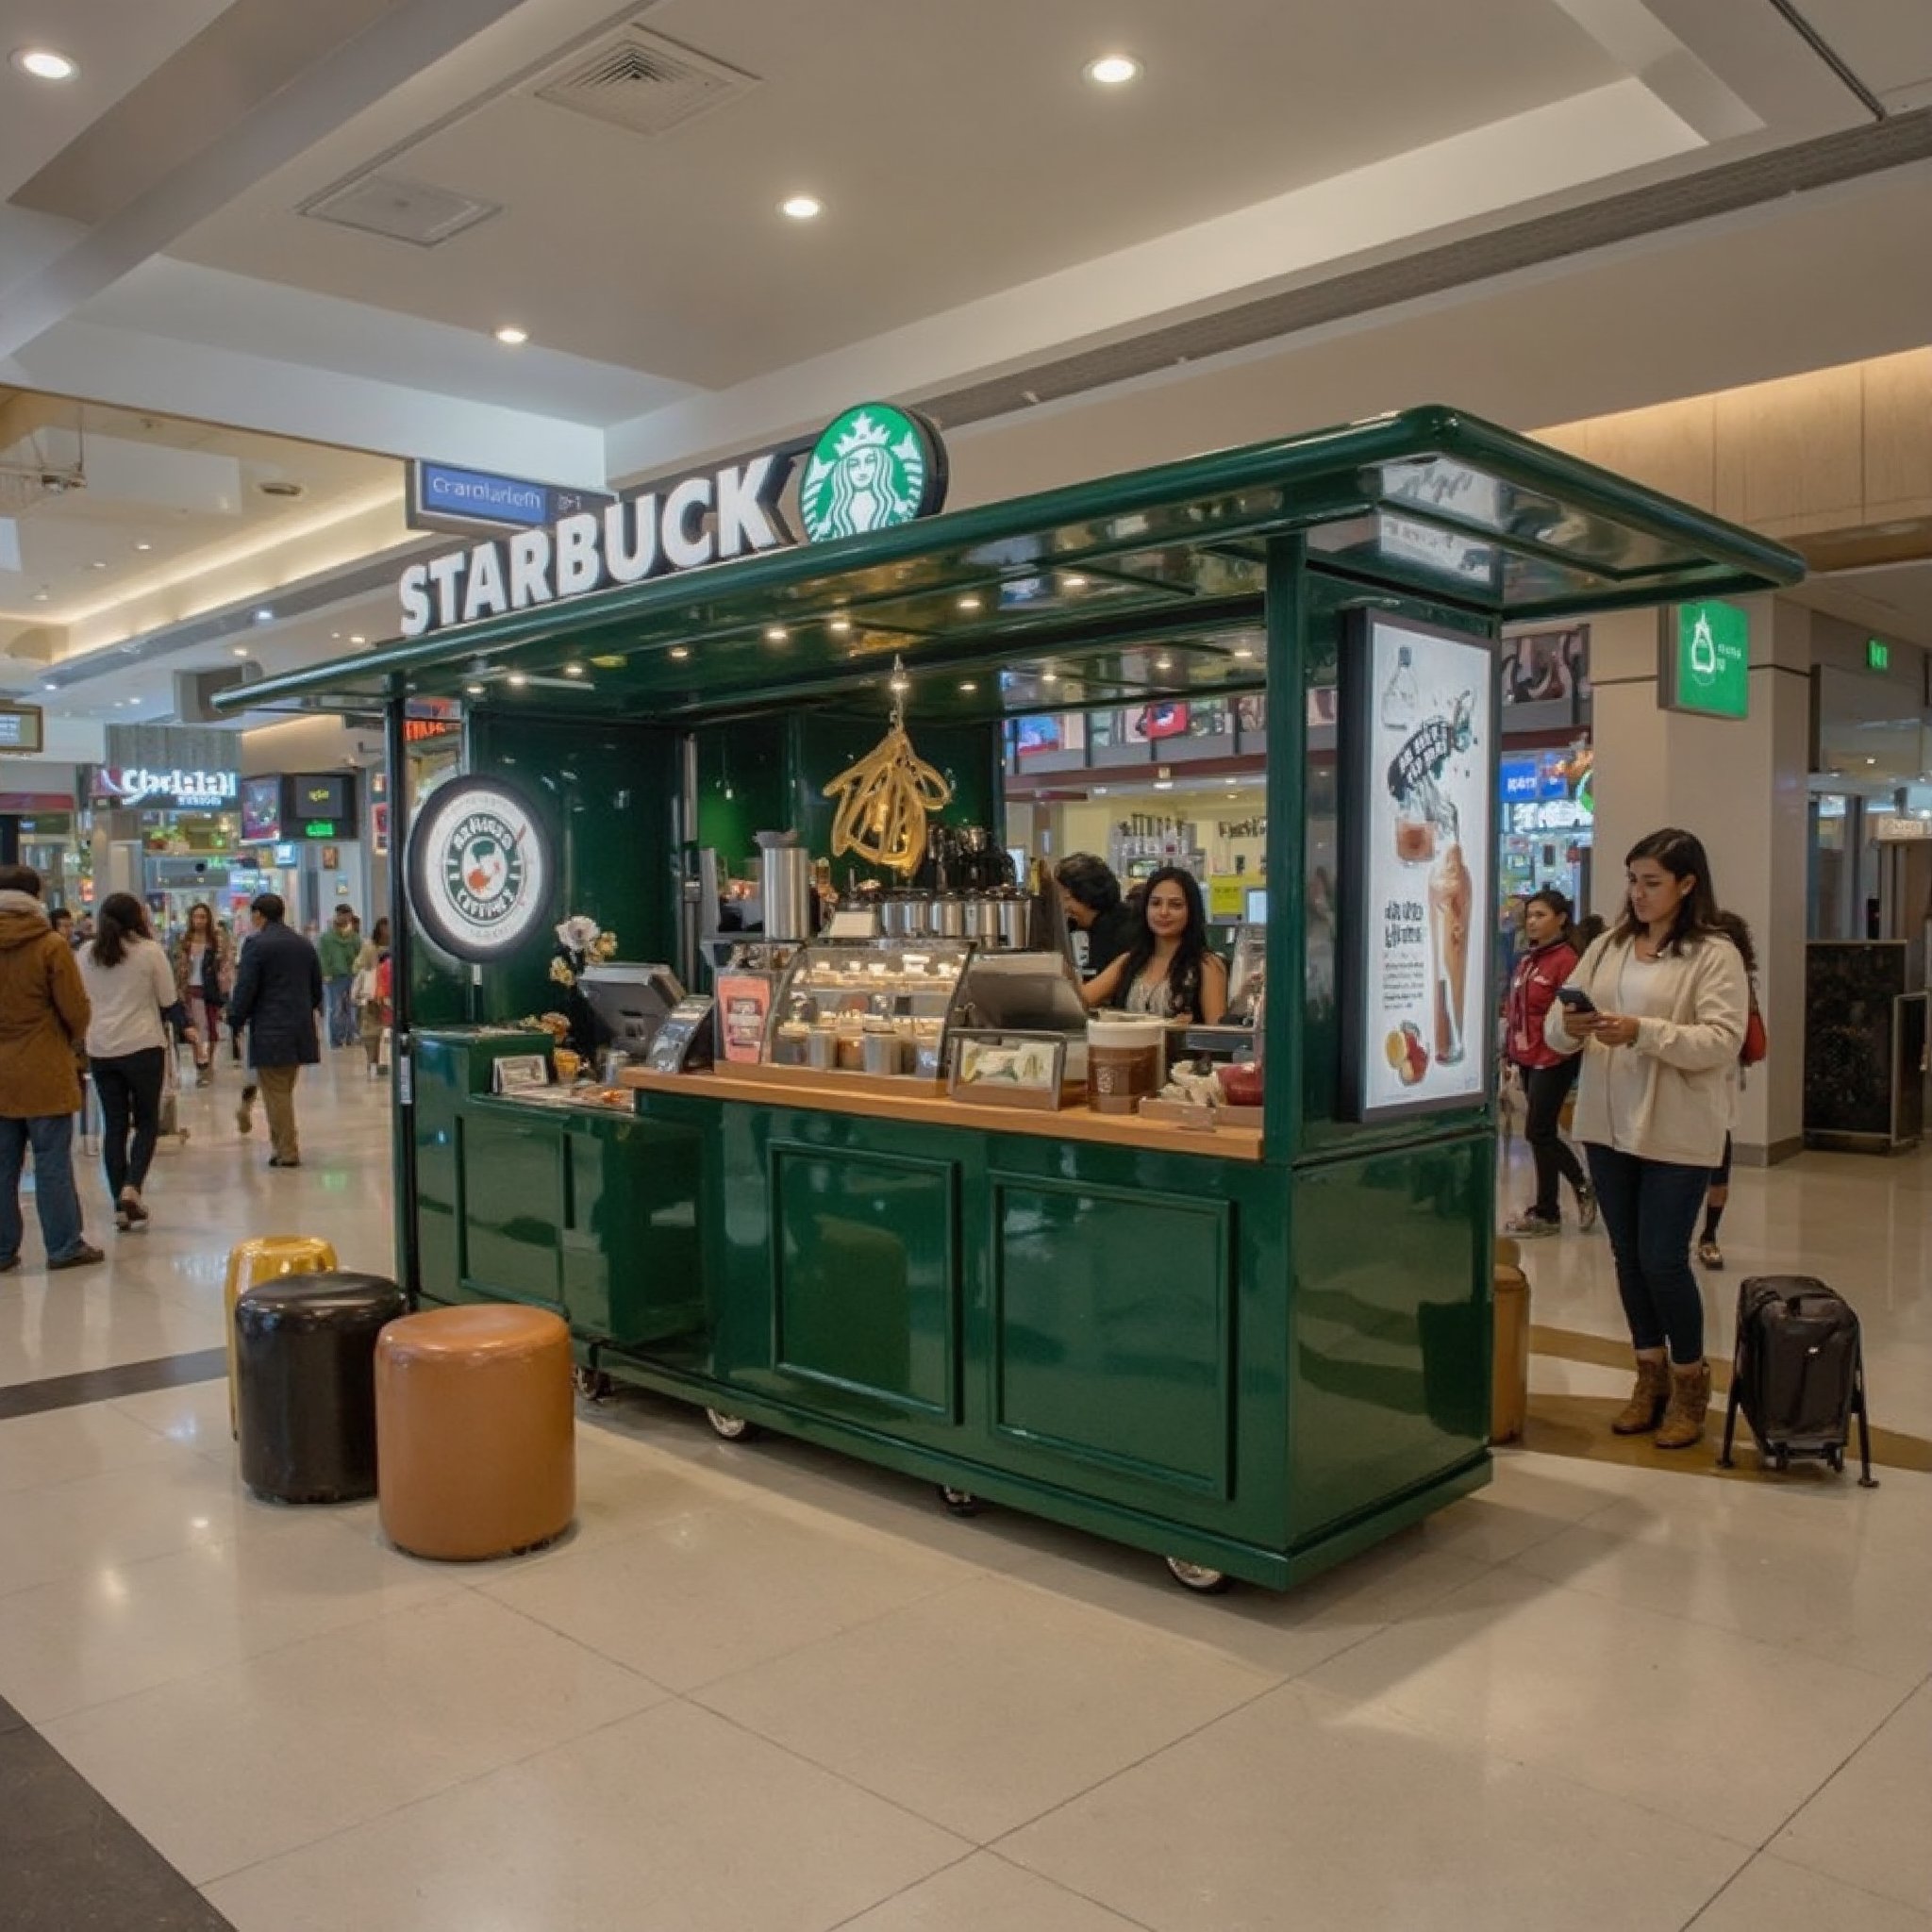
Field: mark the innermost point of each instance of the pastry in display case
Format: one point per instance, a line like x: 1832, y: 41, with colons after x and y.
x: 879, y: 1007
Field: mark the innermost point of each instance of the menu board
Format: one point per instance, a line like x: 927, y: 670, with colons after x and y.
x: 1420, y: 732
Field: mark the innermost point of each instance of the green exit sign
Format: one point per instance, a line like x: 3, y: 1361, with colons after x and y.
x: 319, y: 828
x: 1877, y: 655
x: 1706, y: 659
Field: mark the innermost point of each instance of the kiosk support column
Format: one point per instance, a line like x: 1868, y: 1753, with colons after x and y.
x: 402, y: 1065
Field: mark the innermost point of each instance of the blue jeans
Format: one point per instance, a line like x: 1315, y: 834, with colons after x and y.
x: 1649, y: 1211
x: 50, y: 1137
x: 341, y: 1018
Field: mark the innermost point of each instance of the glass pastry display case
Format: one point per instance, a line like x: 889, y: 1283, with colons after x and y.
x: 880, y: 1007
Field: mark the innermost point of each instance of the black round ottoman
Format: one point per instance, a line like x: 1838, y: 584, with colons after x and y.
x: 305, y: 1358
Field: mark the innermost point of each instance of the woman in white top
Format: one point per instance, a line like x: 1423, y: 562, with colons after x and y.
x: 1168, y: 969
x: 131, y: 988
x: 1656, y: 1007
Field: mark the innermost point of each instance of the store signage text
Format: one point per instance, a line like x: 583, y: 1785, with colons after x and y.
x: 1552, y: 815
x: 445, y: 497
x: 1899, y: 828
x: 23, y: 727
x: 873, y: 467
x: 170, y: 791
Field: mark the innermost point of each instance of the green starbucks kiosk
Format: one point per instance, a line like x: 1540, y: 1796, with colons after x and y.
x: 1252, y: 1351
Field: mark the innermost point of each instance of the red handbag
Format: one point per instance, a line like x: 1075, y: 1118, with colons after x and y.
x: 1756, y: 1042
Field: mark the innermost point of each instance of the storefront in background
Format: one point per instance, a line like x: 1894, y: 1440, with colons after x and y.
x: 169, y: 835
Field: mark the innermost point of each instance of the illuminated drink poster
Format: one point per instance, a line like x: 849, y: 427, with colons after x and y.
x: 1419, y: 728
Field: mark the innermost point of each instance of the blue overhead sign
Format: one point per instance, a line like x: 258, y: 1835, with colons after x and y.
x: 444, y: 496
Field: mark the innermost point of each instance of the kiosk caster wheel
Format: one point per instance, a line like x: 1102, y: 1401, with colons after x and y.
x: 733, y: 1428
x: 593, y: 1384
x: 960, y: 1502
x: 1198, y: 1577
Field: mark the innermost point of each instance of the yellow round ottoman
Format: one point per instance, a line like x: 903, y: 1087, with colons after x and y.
x: 476, y: 1431
x: 267, y: 1258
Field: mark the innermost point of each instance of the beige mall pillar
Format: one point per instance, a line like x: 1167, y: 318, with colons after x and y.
x: 1739, y: 784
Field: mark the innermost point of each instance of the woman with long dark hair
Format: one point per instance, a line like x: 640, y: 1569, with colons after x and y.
x: 1547, y: 1074
x: 203, y: 972
x: 1656, y: 1007
x: 1169, y: 970
x: 131, y: 989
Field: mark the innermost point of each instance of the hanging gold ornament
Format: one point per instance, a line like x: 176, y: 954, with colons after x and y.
x: 884, y: 800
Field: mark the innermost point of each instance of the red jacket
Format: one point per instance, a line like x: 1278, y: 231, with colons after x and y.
x: 1531, y: 989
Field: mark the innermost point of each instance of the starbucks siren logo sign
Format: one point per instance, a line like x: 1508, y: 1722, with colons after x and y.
x: 479, y: 870
x: 874, y: 467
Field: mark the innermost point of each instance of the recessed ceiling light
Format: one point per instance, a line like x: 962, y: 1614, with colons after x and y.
x: 98, y: 565
x: 264, y: 615
x: 1074, y: 581
x: 573, y: 670
x: 969, y: 603
x: 680, y: 652
x: 474, y: 691
x: 143, y: 547
x: 839, y: 626
x: 356, y: 637
x: 239, y: 651
x: 1243, y: 652
x: 1099, y: 791
x: 775, y: 634
x: 518, y: 679
x: 1113, y: 70
x: 968, y: 684
x: 802, y: 208
x: 45, y: 64
x: 511, y: 337
x: 1163, y: 664
x: 1049, y: 677
x: 44, y: 597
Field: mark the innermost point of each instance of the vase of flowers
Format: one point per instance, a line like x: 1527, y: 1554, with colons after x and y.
x: 580, y: 943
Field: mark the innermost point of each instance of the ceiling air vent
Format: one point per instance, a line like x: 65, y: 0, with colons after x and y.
x: 403, y: 210
x: 638, y: 81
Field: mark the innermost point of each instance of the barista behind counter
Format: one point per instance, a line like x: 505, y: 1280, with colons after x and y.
x: 1168, y: 968
x: 1091, y: 898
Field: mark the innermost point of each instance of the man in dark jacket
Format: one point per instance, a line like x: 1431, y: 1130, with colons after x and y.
x: 1091, y: 898
x: 279, y: 998
x: 44, y: 1016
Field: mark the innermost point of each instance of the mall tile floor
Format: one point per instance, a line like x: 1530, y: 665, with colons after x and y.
x: 762, y: 1688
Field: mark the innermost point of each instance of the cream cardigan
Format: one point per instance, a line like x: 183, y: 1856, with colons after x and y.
x: 1691, y: 1055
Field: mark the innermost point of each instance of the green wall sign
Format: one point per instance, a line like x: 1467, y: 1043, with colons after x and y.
x: 1707, y: 660
x: 1877, y: 655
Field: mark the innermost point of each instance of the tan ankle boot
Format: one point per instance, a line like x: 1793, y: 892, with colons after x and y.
x: 1683, y: 1423
x: 1645, y: 1409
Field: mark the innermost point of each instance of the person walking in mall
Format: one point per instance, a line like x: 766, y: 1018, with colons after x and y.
x: 44, y: 1019
x: 278, y: 999
x: 1091, y: 899
x: 371, y: 995
x: 130, y: 986
x: 1656, y: 1006
x: 337, y: 948
x: 203, y: 976
x: 1547, y: 1074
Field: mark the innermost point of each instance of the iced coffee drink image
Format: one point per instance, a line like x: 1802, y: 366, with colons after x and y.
x: 1451, y: 901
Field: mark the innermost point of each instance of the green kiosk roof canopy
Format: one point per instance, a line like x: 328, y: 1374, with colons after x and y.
x: 1120, y: 588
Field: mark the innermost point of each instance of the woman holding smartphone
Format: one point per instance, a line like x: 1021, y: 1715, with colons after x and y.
x: 1656, y: 1007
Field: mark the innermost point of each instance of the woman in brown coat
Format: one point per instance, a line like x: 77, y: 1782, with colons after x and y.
x: 43, y: 1020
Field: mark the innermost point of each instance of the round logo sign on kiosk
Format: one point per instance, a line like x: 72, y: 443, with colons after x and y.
x: 873, y: 467
x: 479, y: 870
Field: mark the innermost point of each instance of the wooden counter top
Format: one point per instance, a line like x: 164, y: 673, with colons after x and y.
x: 910, y: 1100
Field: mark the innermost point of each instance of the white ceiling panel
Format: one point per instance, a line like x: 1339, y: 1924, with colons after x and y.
x: 957, y: 149
x: 1887, y: 44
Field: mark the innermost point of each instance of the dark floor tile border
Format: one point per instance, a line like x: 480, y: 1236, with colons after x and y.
x: 72, y: 1863
x: 104, y: 1384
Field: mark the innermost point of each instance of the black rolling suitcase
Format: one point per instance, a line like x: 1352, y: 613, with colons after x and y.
x: 1798, y: 1373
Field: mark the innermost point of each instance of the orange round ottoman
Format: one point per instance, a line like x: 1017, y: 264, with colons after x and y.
x: 475, y: 1443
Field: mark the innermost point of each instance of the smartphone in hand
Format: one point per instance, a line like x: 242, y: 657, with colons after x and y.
x: 1575, y: 1000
